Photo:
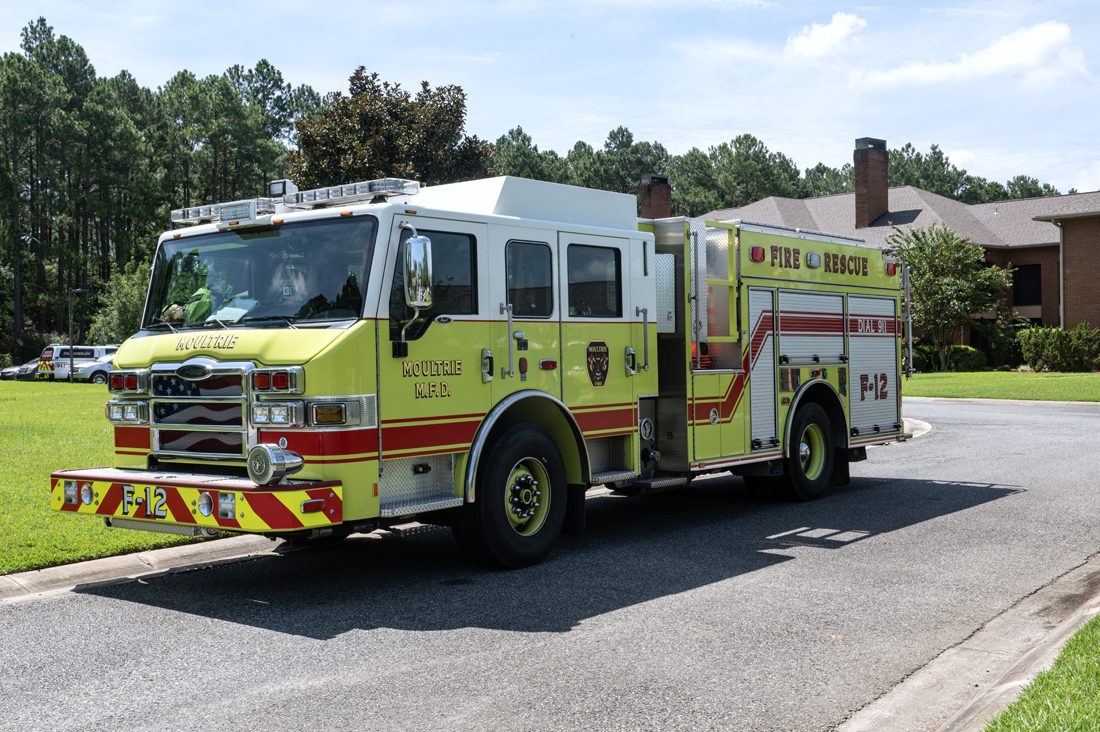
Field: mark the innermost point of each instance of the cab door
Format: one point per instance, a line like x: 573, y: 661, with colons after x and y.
x: 432, y: 400
x: 598, y: 350
x: 523, y: 290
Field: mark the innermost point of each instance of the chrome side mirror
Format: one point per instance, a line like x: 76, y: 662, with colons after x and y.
x: 418, y: 271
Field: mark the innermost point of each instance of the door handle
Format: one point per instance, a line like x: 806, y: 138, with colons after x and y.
x: 631, y: 361
x: 511, y: 371
x: 644, y: 312
x: 486, y: 365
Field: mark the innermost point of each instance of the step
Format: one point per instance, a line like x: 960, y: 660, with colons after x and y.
x: 612, y: 476
x: 653, y: 485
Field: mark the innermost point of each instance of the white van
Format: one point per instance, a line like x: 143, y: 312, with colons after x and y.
x: 53, y: 364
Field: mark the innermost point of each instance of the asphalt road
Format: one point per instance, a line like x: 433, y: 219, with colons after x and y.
x: 674, y: 611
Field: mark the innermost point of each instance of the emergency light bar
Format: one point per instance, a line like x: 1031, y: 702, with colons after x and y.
x: 384, y: 187
x: 250, y: 210
x: 237, y: 211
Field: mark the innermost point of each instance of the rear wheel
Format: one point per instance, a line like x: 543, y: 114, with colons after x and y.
x: 519, y: 507
x: 809, y: 467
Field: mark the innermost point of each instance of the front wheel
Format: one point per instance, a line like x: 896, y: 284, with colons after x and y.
x: 809, y: 467
x: 519, y: 507
x: 99, y: 378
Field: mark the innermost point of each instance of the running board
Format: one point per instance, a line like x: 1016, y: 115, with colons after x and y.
x: 656, y: 485
x: 422, y: 508
x: 612, y: 476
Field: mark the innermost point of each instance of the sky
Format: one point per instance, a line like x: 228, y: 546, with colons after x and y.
x: 1005, y: 88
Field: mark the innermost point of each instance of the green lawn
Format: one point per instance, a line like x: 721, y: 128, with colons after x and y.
x: 1064, y: 699
x: 1006, y: 385
x: 46, y: 427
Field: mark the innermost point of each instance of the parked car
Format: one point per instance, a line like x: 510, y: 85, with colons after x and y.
x: 25, y: 372
x: 53, y: 364
x: 94, y: 371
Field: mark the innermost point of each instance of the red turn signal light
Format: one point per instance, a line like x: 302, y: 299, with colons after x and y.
x: 280, y: 380
x: 548, y: 364
x: 117, y: 382
x: 891, y: 268
x: 756, y: 254
x: 261, y: 382
x: 131, y: 382
x: 522, y: 365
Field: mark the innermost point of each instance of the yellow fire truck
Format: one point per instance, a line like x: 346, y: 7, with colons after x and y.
x: 477, y: 355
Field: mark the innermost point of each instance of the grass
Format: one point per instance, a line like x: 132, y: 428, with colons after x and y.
x: 1006, y: 385
x: 46, y: 427
x: 1064, y: 699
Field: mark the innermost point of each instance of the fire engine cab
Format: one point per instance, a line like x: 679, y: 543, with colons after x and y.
x: 478, y: 355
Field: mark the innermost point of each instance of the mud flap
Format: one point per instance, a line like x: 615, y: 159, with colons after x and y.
x: 574, y: 509
x: 841, y: 476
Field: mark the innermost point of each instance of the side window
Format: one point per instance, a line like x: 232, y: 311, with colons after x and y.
x: 454, y: 283
x: 530, y: 279
x: 595, y: 282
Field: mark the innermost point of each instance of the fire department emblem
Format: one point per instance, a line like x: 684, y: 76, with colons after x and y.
x: 597, y: 357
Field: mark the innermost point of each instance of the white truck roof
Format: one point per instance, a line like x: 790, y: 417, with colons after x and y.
x: 533, y: 199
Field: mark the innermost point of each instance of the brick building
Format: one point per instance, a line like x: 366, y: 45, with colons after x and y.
x: 1053, y: 243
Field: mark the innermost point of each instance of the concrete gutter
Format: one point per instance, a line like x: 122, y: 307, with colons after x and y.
x: 967, y: 685
x: 40, y: 583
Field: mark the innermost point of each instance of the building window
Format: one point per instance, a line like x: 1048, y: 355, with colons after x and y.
x: 1027, y: 285
x: 595, y: 282
x: 530, y: 279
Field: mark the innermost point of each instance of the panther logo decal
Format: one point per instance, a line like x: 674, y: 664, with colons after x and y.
x: 597, y: 357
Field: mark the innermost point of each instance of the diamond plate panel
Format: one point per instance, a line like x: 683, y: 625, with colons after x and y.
x: 665, y: 268
x: 605, y: 454
x: 404, y: 484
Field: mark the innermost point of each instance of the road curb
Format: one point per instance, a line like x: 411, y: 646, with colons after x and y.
x: 129, y: 567
x: 916, y: 427
x: 968, y: 684
x: 1024, y: 402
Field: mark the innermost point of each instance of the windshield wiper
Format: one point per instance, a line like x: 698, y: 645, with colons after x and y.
x: 162, y: 324
x: 289, y: 320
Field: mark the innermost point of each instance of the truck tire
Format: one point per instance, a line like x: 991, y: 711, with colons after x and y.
x: 519, y: 507
x: 809, y: 468
x: 99, y: 378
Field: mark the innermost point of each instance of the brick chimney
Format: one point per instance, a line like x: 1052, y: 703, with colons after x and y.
x: 871, y: 180
x: 655, y: 197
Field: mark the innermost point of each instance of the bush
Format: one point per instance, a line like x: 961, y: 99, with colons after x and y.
x: 1054, y: 349
x: 120, y: 316
x: 965, y: 358
x: 925, y: 359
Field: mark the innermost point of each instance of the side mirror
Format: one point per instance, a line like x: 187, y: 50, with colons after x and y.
x: 418, y: 272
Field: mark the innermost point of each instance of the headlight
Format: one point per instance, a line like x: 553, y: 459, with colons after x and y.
x: 86, y: 494
x: 261, y: 414
x: 114, y: 411
x: 130, y: 412
x: 70, y: 492
x: 280, y: 414
x: 206, y: 504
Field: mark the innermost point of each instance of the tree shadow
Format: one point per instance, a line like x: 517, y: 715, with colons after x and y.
x: 634, y: 550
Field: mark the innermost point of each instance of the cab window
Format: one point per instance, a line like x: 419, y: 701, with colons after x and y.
x: 454, y: 283
x: 530, y: 279
x: 595, y: 282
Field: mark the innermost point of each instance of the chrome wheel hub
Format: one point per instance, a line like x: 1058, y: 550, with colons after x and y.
x: 804, y: 452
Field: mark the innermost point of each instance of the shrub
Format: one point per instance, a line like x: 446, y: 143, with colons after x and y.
x: 921, y: 361
x: 1054, y: 349
x: 965, y: 358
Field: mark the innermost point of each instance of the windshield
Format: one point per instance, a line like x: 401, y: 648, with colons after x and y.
x: 311, y: 271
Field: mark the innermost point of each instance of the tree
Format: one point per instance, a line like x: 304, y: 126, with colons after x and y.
x: 381, y: 130
x: 120, y: 316
x: 949, y: 283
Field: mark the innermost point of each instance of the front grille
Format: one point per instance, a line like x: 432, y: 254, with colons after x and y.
x: 212, y: 414
x: 203, y: 443
x: 213, y: 408
x: 222, y: 385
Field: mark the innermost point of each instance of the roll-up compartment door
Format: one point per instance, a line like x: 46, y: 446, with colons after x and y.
x: 762, y: 375
x: 811, y: 327
x: 873, y: 359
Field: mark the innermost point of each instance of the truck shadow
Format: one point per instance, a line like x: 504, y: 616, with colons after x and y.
x: 634, y: 550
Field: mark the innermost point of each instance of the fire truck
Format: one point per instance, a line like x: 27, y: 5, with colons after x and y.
x: 478, y: 355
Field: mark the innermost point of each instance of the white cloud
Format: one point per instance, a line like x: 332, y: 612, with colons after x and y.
x: 1040, y: 55
x: 817, y: 41
x: 960, y: 157
x: 1086, y: 179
